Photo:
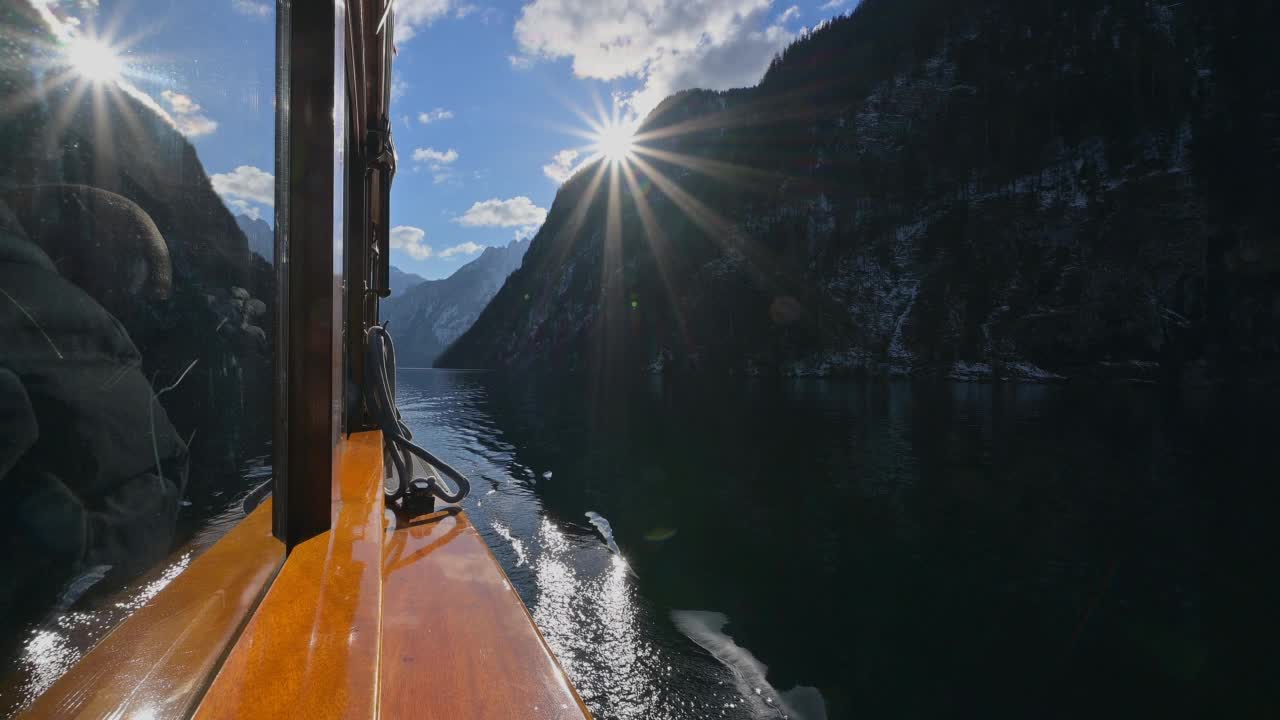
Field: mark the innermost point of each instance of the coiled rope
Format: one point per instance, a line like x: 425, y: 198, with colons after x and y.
x: 398, y: 446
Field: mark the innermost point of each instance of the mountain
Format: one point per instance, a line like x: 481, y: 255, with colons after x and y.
x: 150, y: 162
x: 259, y: 235
x: 111, y: 141
x: 428, y: 316
x: 402, y: 281
x: 971, y: 188
x: 261, y: 239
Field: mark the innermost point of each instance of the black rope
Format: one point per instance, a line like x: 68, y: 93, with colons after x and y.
x: 397, y: 443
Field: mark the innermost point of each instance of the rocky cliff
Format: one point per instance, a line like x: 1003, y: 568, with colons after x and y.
x: 214, y: 317
x: 973, y: 189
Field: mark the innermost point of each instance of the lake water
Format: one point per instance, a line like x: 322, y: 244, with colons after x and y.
x: 843, y: 549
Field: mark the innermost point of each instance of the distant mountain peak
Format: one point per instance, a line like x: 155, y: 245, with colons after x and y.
x: 402, y: 281
x: 259, y: 234
x: 430, y: 315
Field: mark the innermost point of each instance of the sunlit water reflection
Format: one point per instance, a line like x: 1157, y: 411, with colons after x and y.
x: 582, y: 595
x: 88, y: 610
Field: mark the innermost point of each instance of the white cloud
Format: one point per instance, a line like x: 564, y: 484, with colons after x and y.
x: 430, y: 116
x: 561, y: 166
x: 195, y: 125
x: 465, y: 10
x: 186, y: 115
x: 180, y: 103
x: 409, y: 239
x: 86, y: 5
x: 249, y: 7
x: 518, y: 210
x: 520, y: 62
x: 526, y: 232
x: 668, y: 44
x: 435, y: 158
x: 240, y: 207
x: 414, y: 14
x: 246, y: 184
x: 788, y: 15
x: 738, y: 63
x: 833, y: 4
x: 438, y: 161
x: 466, y: 248
x: 398, y: 86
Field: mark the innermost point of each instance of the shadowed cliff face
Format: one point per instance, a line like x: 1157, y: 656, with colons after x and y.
x: 969, y: 189
x: 59, y: 132
x: 135, y: 333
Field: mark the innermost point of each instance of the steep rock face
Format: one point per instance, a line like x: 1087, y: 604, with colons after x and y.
x: 971, y: 189
x: 426, y: 317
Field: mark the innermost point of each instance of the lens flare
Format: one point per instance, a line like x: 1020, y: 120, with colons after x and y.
x: 615, y: 141
x: 94, y: 60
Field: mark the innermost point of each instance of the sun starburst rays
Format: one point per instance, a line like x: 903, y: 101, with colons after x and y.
x: 656, y: 237
x: 86, y: 68
x: 642, y: 178
x: 630, y: 174
x: 610, y: 333
x: 94, y: 60
x: 614, y: 141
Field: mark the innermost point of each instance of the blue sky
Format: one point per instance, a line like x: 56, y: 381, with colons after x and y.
x: 488, y: 97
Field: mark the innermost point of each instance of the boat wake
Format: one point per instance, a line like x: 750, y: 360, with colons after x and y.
x: 80, y: 585
x: 606, y: 530
x: 516, y: 544
x: 707, y: 630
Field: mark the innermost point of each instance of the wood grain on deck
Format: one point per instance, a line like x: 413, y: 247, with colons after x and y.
x: 159, y: 661
x: 311, y: 650
x: 457, y: 641
x: 415, y: 621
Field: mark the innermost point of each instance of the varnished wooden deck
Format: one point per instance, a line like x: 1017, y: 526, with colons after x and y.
x: 378, y: 617
x: 457, y: 641
x: 157, y: 663
x: 311, y: 649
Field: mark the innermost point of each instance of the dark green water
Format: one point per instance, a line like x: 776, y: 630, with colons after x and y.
x: 879, y: 549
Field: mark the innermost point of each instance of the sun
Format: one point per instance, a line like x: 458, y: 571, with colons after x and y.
x: 94, y: 60
x: 615, y: 141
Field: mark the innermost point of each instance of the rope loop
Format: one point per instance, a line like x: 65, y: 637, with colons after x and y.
x: 398, y: 446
